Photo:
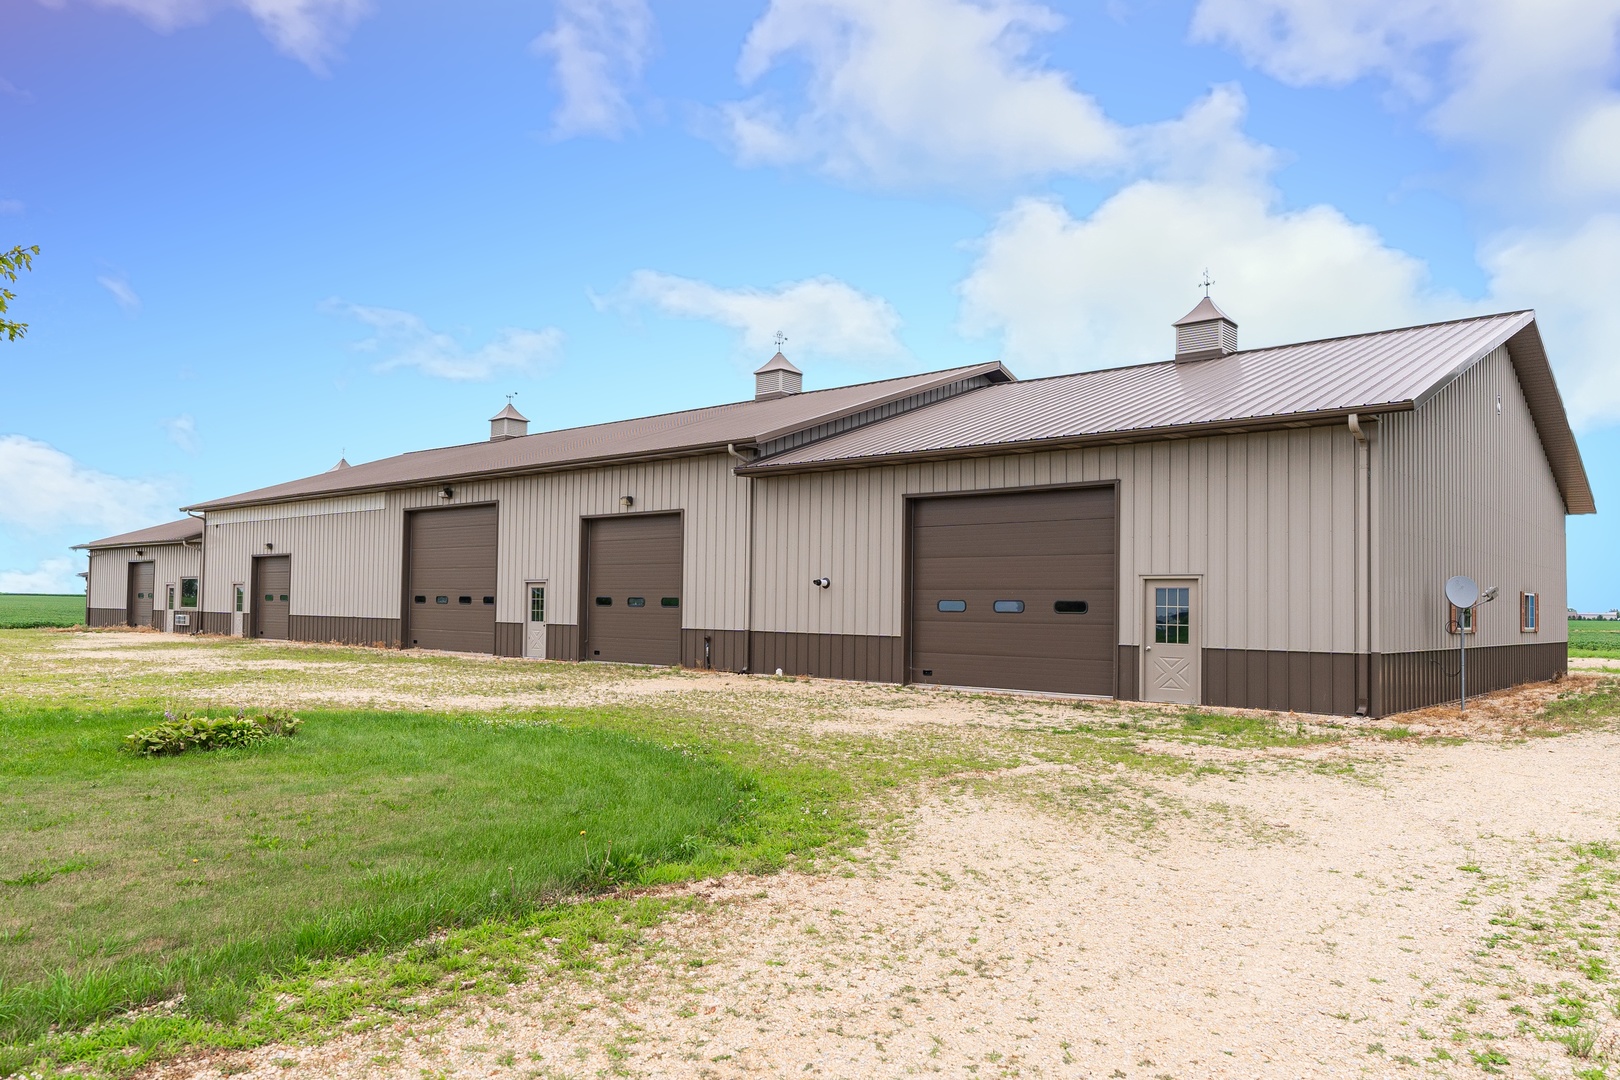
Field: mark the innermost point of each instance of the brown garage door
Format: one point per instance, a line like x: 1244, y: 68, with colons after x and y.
x: 1015, y: 591
x: 141, y: 583
x: 272, y: 584
x: 452, y: 579
x: 633, y: 589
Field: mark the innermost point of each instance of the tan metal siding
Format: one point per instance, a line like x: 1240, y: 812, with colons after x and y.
x: 1266, y: 520
x: 1467, y: 490
x: 108, y: 584
x: 352, y: 558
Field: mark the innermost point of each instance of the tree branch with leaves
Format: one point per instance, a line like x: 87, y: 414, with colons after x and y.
x: 13, y: 263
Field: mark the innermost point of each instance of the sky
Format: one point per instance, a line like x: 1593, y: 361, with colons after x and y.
x: 277, y: 232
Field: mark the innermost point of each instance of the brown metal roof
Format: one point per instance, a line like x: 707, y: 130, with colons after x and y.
x: 777, y: 363
x: 1315, y: 381
x: 1206, y: 311
x: 668, y: 435
x: 173, y: 532
x: 509, y: 413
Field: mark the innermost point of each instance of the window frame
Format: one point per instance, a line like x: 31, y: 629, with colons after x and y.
x: 1454, y: 625
x: 537, y: 603
x: 1179, y: 602
x: 195, y: 594
x: 240, y: 592
x: 168, y: 595
x: 1529, y: 612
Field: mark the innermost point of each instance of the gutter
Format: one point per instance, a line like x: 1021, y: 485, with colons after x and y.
x: 1362, y: 519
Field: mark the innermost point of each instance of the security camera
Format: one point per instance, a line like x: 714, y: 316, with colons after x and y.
x: 821, y: 582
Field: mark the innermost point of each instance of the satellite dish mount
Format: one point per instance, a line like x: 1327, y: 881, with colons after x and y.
x: 1463, y: 592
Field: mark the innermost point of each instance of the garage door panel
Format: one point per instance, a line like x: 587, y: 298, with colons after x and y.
x: 1035, y: 547
x: 1027, y: 507
x: 1036, y: 538
x: 637, y: 556
x: 453, y: 555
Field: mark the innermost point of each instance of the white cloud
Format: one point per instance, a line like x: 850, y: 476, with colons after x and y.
x: 918, y: 92
x: 1065, y: 292
x: 598, y: 49
x: 121, y: 291
x: 821, y: 316
x: 1568, y: 277
x: 49, y: 576
x: 42, y: 489
x: 1528, y: 84
x: 13, y: 90
x: 403, y: 340
x: 182, y: 431
x: 309, y: 31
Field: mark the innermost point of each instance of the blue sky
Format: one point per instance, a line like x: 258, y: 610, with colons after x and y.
x: 277, y: 231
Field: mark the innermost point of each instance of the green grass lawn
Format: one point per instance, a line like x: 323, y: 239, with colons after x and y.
x: 21, y: 611
x: 1591, y: 637
x: 127, y: 880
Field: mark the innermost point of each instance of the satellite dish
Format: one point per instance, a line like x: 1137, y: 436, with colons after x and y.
x: 1462, y: 591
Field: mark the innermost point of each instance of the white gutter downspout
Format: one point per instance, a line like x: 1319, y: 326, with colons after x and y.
x: 748, y: 566
x: 202, y: 575
x: 1363, y: 556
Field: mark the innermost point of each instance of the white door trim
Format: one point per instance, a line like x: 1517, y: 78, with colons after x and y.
x: 534, y: 633
x: 1195, y: 639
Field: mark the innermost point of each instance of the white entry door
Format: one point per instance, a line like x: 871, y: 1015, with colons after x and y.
x: 534, y: 628
x: 1171, y: 663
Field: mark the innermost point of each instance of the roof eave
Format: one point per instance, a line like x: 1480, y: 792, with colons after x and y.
x: 695, y: 450
x: 1277, y: 422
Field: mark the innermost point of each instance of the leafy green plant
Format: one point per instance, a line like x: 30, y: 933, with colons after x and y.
x: 177, y: 734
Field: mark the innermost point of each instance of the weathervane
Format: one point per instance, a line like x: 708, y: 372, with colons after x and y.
x: 510, y: 396
x: 781, y: 339
x: 1207, y: 282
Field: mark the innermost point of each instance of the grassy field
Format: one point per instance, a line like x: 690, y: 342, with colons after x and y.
x: 27, y: 610
x: 1591, y: 637
x: 128, y: 880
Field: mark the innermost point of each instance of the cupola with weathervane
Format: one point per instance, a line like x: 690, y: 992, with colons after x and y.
x: 508, y: 424
x: 1205, y: 332
x: 778, y: 377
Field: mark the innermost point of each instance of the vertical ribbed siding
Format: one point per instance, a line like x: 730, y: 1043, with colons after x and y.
x: 1267, y: 520
x: 1466, y: 490
x: 349, y: 563
x: 108, y: 584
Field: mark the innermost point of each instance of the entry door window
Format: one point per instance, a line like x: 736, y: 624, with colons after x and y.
x: 169, y: 593
x: 1172, y: 615
x: 241, y: 595
x: 537, y: 603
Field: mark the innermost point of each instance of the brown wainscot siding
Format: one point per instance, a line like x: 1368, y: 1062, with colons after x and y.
x: 157, y: 618
x: 830, y: 656
x: 1413, y: 680
x: 106, y: 616
x: 562, y: 641
x: 1129, y: 670
x: 345, y: 629
x: 216, y: 622
x: 1306, y: 682
x: 508, y: 639
x: 727, y: 649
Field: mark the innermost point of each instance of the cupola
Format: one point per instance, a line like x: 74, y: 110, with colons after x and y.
x: 778, y: 378
x: 507, y: 424
x: 1204, y: 333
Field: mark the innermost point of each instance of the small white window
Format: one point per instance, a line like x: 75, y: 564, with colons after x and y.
x: 1529, y: 613
x: 241, y: 596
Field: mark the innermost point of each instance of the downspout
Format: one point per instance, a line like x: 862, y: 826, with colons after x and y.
x: 202, y: 574
x: 748, y: 567
x: 1363, y: 557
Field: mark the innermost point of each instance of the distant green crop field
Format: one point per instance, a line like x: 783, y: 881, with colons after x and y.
x: 1591, y: 637
x: 23, y: 610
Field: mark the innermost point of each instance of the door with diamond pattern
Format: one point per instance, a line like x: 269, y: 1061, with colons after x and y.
x: 1171, y: 657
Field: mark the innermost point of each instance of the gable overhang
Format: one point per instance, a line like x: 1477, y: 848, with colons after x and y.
x: 1534, y: 371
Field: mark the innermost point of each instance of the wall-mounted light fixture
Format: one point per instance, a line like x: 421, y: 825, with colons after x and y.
x: 269, y: 546
x: 821, y: 582
x: 447, y: 492
x: 139, y: 553
x: 627, y: 501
